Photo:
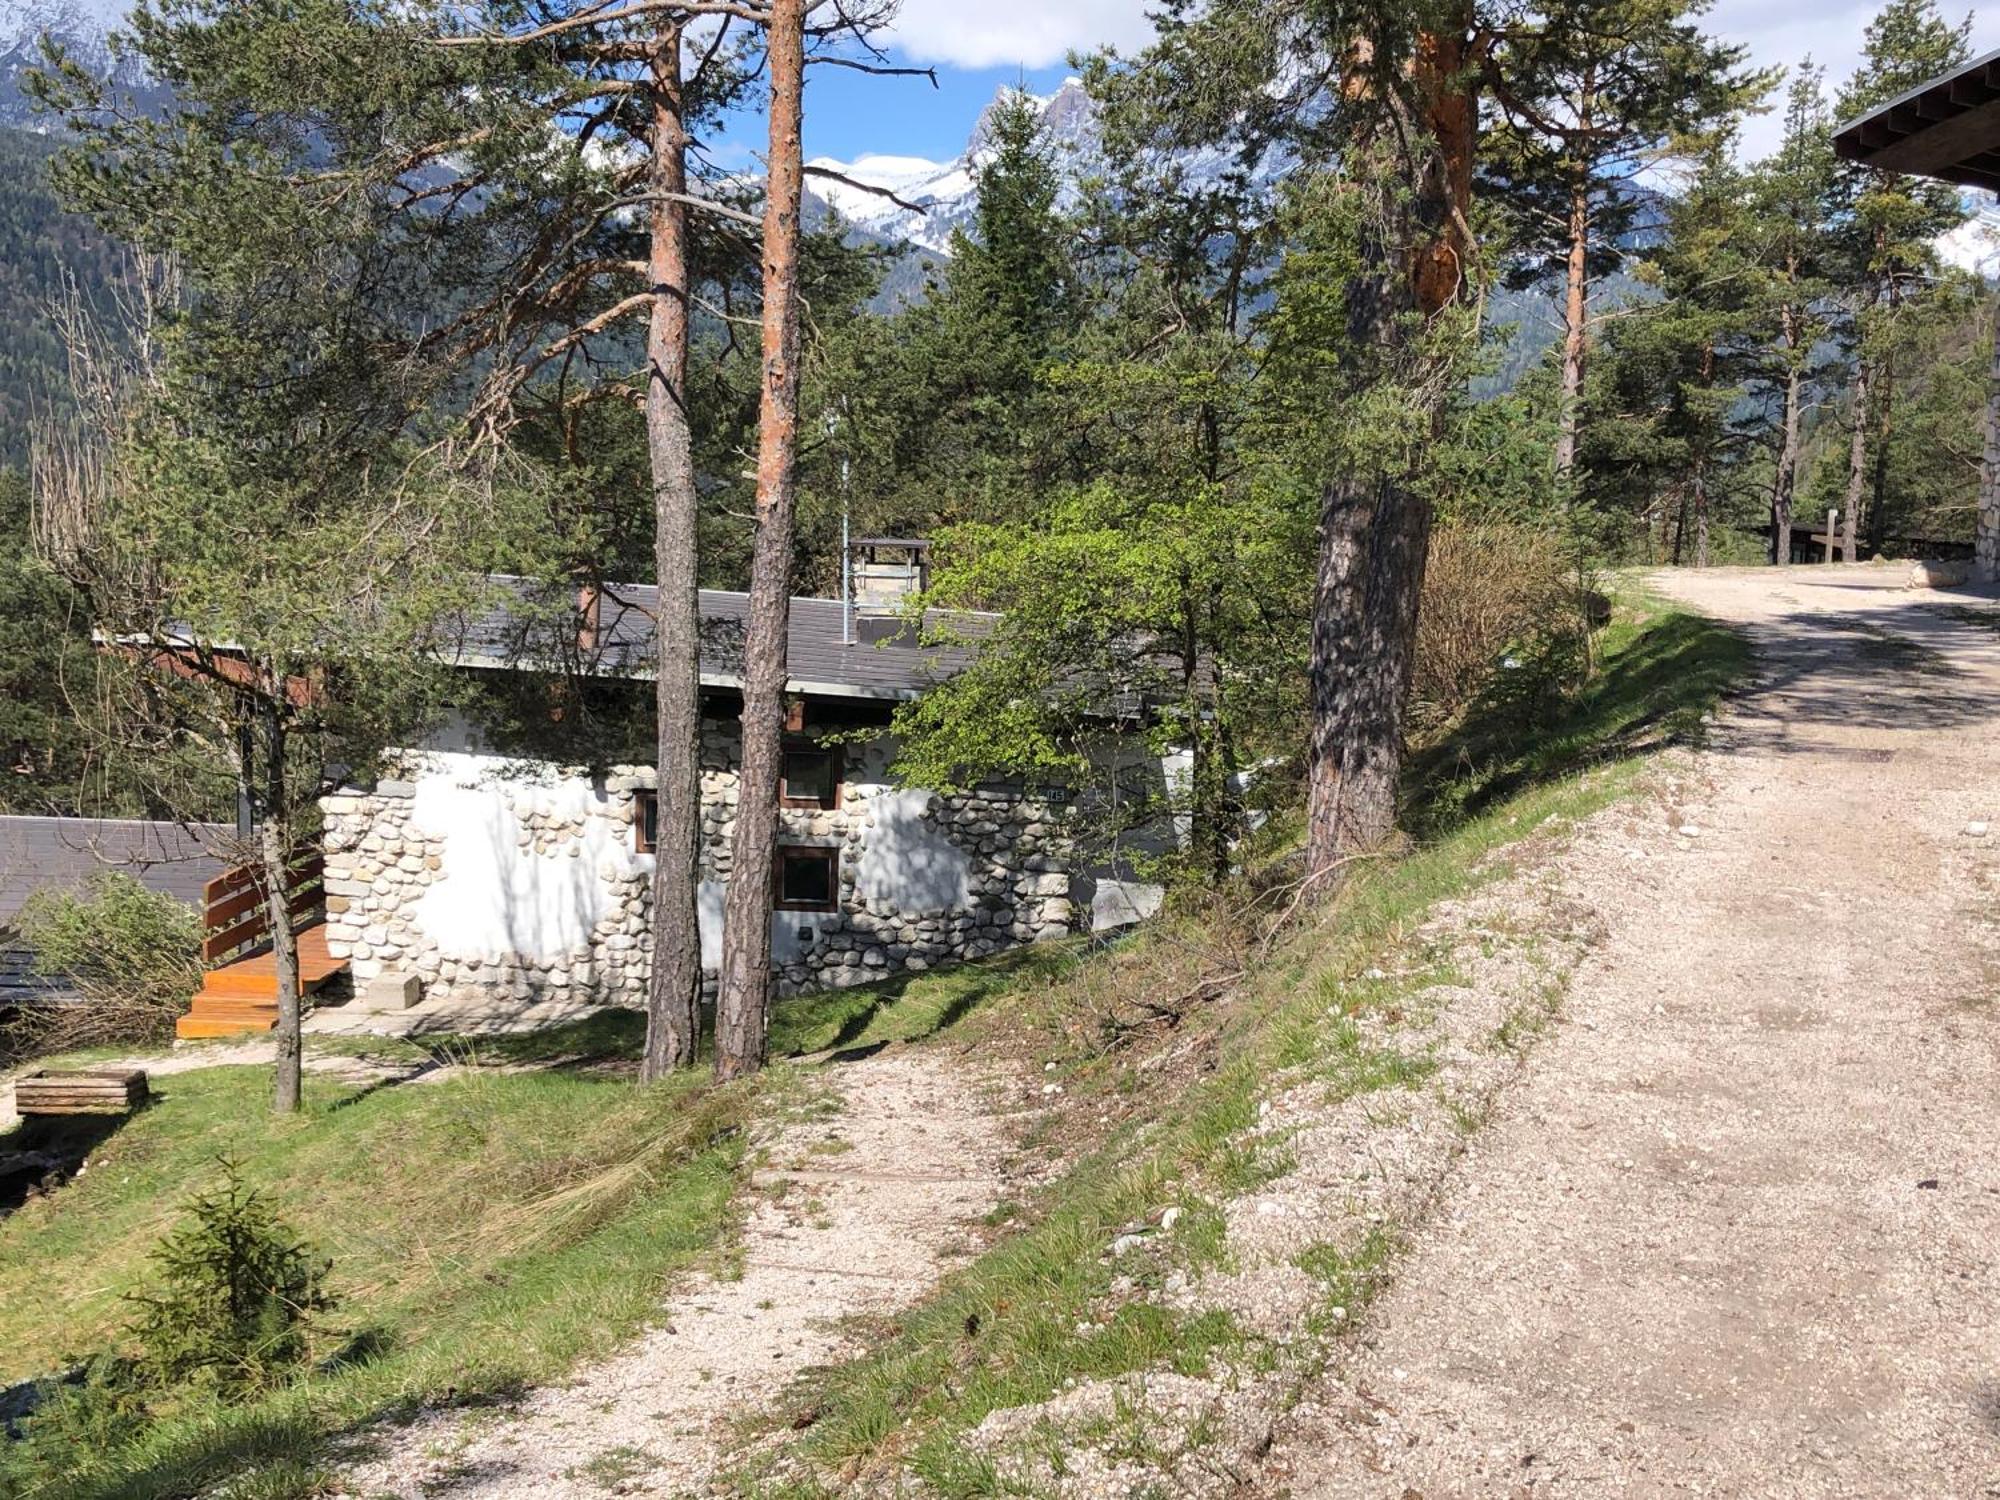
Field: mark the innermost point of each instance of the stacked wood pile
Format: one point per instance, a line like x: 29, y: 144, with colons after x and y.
x: 89, y: 1092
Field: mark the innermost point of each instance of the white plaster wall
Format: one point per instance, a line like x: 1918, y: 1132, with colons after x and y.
x: 503, y: 899
x: 909, y: 866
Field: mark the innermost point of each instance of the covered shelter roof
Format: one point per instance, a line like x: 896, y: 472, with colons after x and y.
x: 1948, y: 128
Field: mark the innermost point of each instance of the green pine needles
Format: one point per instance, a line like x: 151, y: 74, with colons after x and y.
x: 237, y: 1299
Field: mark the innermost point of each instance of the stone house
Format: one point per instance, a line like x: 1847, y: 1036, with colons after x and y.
x: 488, y: 876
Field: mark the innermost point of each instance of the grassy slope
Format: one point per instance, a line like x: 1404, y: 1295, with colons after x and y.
x: 1006, y: 1331
x: 491, y: 1229
x: 485, y: 1230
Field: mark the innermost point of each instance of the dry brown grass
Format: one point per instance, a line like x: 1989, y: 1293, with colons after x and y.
x: 1490, y: 588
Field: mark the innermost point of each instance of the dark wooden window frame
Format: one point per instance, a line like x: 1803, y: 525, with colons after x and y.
x: 827, y: 854
x: 645, y: 820
x: 836, y: 776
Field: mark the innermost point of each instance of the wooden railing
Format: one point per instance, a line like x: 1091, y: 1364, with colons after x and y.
x: 236, y: 917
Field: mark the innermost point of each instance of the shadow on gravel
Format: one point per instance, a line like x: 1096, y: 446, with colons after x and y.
x: 1883, y: 668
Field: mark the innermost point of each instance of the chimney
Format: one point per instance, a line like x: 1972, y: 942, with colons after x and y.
x: 887, y: 571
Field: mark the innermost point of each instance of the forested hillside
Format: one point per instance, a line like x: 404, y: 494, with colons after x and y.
x: 40, y: 246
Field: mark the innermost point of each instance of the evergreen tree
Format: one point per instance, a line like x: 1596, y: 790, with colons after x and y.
x: 1888, y: 225
x: 1173, y: 571
x: 1591, y: 95
x: 1790, y: 200
x: 1668, y: 416
x: 248, y: 499
x: 943, y: 414
x: 1383, y: 99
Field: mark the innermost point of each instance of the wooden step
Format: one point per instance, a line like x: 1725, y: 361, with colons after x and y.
x: 243, y: 996
x: 191, y: 1028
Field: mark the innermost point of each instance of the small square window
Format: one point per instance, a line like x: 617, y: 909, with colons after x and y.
x: 808, y: 878
x: 645, y: 821
x: 810, y: 777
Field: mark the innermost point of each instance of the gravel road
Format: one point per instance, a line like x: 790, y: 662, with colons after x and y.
x: 1735, y: 1231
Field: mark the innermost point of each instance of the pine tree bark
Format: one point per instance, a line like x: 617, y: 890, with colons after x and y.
x: 1885, y: 413
x: 743, y: 997
x: 276, y: 849
x: 1700, y: 476
x: 1884, y: 399
x: 1986, y: 525
x: 1375, y: 525
x: 1784, y: 488
x: 673, y: 1008
x: 1857, y: 465
x: 1701, y: 513
x: 1576, y: 314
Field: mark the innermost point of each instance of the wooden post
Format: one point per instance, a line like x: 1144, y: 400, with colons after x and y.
x: 1832, y: 533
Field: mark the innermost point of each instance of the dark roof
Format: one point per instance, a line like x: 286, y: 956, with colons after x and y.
x: 62, y: 853
x: 1948, y: 128
x: 537, y: 628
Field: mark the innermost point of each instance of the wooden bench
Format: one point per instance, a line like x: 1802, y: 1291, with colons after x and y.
x: 112, y: 1091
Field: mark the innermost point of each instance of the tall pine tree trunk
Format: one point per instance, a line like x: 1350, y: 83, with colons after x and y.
x: 1375, y: 525
x: 1701, y: 512
x: 1885, y: 409
x: 1576, y: 314
x: 1878, y: 486
x: 1857, y: 465
x: 275, y: 846
x: 1784, y: 489
x: 673, y: 1009
x: 744, y: 996
x: 1986, y: 533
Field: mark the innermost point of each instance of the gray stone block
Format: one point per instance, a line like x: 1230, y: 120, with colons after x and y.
x: 389, y: 992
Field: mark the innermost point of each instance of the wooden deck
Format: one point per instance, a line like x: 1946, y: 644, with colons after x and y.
x: 243, y: 996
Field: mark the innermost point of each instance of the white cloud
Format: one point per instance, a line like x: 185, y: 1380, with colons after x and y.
x: 1006, y: 33
x: 1830, y: 31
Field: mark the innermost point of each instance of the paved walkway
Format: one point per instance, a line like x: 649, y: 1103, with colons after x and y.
x: 1737, y: 1232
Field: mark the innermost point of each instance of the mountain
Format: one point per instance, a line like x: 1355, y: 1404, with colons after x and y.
x: 1975, y: 244
x: 40, y: 248
x: 942, y: 192
x: 81, y: 27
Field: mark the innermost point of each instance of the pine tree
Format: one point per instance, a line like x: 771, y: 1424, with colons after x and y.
x: 1790, y: 199
x: 1888, y: 225
x: 743, y: 991
x: 1385, y: 98
x: 1592, y: 95
x: 1669, y: 417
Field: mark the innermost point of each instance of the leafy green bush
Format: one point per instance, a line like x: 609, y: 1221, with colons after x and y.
x: 133, y: 954
x: 237, y: 1299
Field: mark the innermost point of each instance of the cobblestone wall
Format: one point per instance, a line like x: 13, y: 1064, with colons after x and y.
x: 923, y: 880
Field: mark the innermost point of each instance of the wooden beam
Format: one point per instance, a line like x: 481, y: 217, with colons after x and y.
x: 1933, y: 151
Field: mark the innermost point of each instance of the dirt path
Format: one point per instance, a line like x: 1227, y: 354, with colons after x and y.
x: 857, y: 1213
x: 1735, y: 1232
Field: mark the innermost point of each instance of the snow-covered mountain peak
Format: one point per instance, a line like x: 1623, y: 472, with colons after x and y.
x: 943, y: 194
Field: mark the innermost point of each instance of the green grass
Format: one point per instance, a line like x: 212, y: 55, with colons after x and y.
x: 490, y: 1230
x: 1004, y: 1331
x: 1660, y: 671
x: 486, y: 1231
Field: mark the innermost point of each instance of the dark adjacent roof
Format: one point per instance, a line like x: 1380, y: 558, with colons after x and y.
x: 884, y: 662
x: 63, y: 853
x: 1948, y: 128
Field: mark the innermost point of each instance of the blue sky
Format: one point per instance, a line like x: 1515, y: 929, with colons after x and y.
x: 979, y: 45
x: 850, y: 114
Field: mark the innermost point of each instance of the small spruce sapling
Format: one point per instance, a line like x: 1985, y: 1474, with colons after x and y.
x: 237, y: 1298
